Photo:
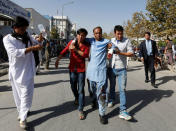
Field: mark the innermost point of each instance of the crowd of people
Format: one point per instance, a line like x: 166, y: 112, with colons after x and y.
x: 107, y: 61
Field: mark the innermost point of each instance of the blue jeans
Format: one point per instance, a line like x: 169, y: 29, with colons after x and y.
x: 112, y: 82
x: 77, y: 81
x: 97, y: 89
x: 122, y: 80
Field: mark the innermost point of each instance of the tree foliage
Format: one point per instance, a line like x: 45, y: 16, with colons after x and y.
x: 108, y: 36
x: 136, y: 27
x: 54, y: 33
x: 162, y: 16
x: 159, y: 19
x: 73, y: 32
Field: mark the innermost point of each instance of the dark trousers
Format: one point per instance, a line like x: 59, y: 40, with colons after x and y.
x: 36, y: 57
x: 77, y: 81
x: 149, y: 66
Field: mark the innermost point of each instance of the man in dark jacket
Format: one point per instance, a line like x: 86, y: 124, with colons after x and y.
x: 148, y: 52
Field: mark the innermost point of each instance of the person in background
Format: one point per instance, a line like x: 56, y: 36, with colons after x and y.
x: 169, y: 51
x: 148, y: 53
x: 47, y: 54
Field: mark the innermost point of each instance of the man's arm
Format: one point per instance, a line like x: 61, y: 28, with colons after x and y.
x: 15, y: 52
x: 156, y: 49
x: 63, y: 52
x: 141, y: 54
x: 33, y: 48
x: 37, y: 41
x: 84, y: 54
x: 129, y: 52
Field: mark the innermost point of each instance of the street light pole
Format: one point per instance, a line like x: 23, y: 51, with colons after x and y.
x: 62, y: 14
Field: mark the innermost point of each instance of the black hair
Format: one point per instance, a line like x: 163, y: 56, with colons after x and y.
x: 147, y: 33
x: 118, y: 28
x: 98, y: 27
x: 20, y: 22
x: 82, y: 30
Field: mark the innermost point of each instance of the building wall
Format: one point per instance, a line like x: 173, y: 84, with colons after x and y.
x: 64, y: 26
x: 11, y: 10
x: 37, y: 19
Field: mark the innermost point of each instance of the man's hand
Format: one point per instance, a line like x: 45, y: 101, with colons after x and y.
x: 33, y: 48
x: 142, y: 59
x: 116, y: 51
x: 37, y: 47
x: 72, y: 46
x: 109, y: 45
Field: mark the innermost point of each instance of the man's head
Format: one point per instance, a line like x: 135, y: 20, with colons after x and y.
x: 97, y: 33
x: 118, y: 32
x: 20, y: 25
x: 81, y: 34
x: 147, y: 35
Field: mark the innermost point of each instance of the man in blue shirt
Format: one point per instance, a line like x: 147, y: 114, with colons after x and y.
x: 96, y: 71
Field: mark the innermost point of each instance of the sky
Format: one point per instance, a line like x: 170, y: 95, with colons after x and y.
x: 88, y: 13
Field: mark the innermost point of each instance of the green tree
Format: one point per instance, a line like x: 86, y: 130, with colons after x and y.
x: 73, y: 32
x: 162, y: 16
x: 161, y: 43
x: 108, y: 36
x: 136, y: 27
x: 54, y: 33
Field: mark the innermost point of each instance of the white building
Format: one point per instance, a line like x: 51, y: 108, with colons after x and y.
x: 74, y: 27
x: 36, y: 19
x: 63, y: 25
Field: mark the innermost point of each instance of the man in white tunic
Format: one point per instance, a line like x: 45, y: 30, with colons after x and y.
x: 19, y: 47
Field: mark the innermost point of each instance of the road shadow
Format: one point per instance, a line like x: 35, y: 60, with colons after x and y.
x: 165, y: 79
x: 7, y: 108
x: 134, y: 68
x: 3, y: 80
x: 49, y: 83
x: 139, y: 66
x: 5, y: 88
x: 54, y: 111
x: 142, y: 98
x: 59, y: 68
x: 54, y: 72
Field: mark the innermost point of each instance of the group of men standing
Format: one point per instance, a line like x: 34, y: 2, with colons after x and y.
x: 20, y: 46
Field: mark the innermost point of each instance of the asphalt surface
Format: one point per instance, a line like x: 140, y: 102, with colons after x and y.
x: 53, y: 108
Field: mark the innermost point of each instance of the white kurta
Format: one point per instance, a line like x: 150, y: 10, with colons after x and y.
x: 21, y: 73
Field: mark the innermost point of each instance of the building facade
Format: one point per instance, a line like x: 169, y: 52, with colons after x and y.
x: 63, y: 25
x: 37, y: 19
x: 8, y: 13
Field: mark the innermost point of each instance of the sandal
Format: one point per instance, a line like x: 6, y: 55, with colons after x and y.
x: 81, y: 115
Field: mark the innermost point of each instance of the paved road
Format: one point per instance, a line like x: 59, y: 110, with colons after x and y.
x: 53, y: 109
